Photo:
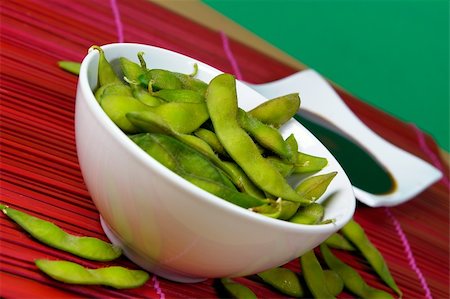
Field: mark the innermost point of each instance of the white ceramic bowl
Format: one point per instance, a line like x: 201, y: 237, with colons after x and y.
x: 166, y: 224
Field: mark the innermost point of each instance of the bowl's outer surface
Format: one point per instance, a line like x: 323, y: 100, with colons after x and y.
x: 169, y: 226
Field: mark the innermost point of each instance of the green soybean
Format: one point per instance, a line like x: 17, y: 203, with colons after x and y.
x: 191, y: 83
x: 106, y: 74
x: 355, y: 233
x: 180, y: 117
x: 194, y: 167
x: 114, y: 89
x: 351, y: 278
x: 53, y: 236
x: 277, y: 111
x: 160, y: 79
x: 284, y: 280
x: 334, y: 282
x: 314, y: 276
x: 144, y: 96
x: 113, y: 276
x: 211, y: 138
x: 240, y: 179
x: 288, y: 209
x: 310, y: 214
x: 314, y: 187
x: 221, y: 101
x: 117, y: 107
x: 180, y: 95
x: 237, y: 290
x: 70, y: 66
x: 130, y: 69
x: 308, y: 163
x: 337, y: 241
x: 283, y: 167
x: 270, y: 209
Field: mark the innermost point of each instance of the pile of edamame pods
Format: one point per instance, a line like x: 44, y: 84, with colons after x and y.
x: 312, y: 281
x: 165, y: 112
x: 198, y: 131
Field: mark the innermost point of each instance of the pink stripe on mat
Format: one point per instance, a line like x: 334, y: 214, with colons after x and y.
x: 157, y: 287
x: 230, y: 56
x: 434, y: 159
x: 117, y: 20
x: 409, y: 253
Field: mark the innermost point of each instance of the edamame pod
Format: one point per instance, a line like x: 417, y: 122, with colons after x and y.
x: 334, y: 282
x: 271, y: 209
x: 144, y: 96
x: 114, y: 276
x: 70, y: 66
x: 53, y: 236
x: 180, y: 117
x: 267, y: 136
x: 130, y: 69
x: 221, y: 101
x: 211, y: 138
x: 180, y: 95
x: 307, y: 163
x: 339, y: 242
x: 240, y: 179
x: 351, y: 278
x: 314, y: 276
x: 310, y: 214
x: 237, y: 290
x: 277, y: 111
x: 283, y: 167
x: 284, y: 280
x: 355, y: 233
x: 117, y: 107
x: 106, y: 73
x: 161, y: 79
x: 314, y: 187
x: 191, y: 83
x: 112, y: 89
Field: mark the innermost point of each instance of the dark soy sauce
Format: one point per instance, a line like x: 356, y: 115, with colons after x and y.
x: 362, y: 169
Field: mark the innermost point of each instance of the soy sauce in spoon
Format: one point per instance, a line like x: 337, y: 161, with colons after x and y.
x: 363, y: 170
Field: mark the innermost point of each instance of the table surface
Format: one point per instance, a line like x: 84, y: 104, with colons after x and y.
x: 40, y: 172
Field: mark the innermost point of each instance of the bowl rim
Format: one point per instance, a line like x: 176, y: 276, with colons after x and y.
x: 106, y: 123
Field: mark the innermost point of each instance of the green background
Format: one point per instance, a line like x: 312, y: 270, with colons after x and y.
x: 391, y: 54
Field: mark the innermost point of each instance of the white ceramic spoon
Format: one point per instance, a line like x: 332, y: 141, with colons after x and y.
x: 411, y: 174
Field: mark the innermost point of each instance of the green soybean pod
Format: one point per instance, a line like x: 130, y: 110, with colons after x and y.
x: 337, y: 241
x: 310, y: 214
x: 180, y: 95
x: 130, y: 69
x: 351, y: 278
x: 314, y: 276
x: 112, y: 89
x: 267, y: 136
x: 288, y: 209
x: 270, y: 209
x: 237, y: 290
x: 180, y: 117
x: 73, y: 273
x: 283, y: 167
x: 117, y: 107
x: 240, y: 179
x: 284, y: 280
x: 70, y: 66
x: 334, y: 282
x: 106, y: 73
x: 314, y: 187
x: 277, y: 111
x: 160, y: 79
x: 144, y: 96
x: 53, y: 236
x: 355, y: 233
x: 191, y: 83
x: 308, y: 163
x: 221, y: 100
x: 211, y: 138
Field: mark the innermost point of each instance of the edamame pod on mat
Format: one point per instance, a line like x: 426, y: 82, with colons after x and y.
x: 355, y: 233
x: 314, y: 276
x: 334, y: 282
x: 277, y: 111
x: 237, y: 290
x: 113, y: 276
x: 284, y: 280
x: 53, y: 236
x: 221, y: 100
x: 352, y: 280
x: 70, y: 66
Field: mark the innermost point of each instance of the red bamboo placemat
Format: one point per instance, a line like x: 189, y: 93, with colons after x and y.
x: 40, y: 172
